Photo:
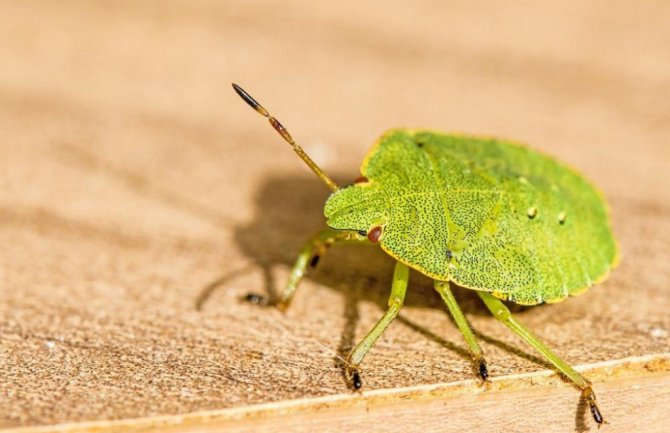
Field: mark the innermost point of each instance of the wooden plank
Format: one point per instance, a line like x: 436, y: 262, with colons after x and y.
x: 524, y: 397
x: 140, y: 201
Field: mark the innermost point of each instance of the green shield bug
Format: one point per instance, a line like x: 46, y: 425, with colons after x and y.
x: 489, y: 215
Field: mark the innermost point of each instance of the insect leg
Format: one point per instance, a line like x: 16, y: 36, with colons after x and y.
x: 398, y: 289
x: 500, y: 312
x: 309, y: 256
x: 443, y: 289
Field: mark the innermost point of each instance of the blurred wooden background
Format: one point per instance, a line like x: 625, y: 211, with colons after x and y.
x: 140, y: 199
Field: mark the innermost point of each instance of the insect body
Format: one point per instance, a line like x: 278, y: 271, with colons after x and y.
x: 489, y: 215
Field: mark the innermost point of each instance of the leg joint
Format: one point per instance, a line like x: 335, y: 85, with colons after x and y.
x: 502, y: 313
x: 396, y: 302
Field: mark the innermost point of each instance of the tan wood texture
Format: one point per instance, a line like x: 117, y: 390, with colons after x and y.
x: 140, y: 200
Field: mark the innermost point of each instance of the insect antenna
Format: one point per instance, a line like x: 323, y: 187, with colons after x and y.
x: 285, y: 134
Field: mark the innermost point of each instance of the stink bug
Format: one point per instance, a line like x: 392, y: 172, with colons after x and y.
x: 489, y: 215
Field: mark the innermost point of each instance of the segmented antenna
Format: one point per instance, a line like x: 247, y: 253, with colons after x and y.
x: 285, y: 134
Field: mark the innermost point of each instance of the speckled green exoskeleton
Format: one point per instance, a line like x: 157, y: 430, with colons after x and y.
x: 489, y: 215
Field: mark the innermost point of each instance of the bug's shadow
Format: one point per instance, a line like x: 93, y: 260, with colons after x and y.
x: 287, y: 211
x: 290, y: 209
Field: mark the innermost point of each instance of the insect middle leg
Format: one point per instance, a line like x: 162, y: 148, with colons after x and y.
x: 309, y: 256
x: 398, y: 289
x: 500, y: 312
x: 442, y: 287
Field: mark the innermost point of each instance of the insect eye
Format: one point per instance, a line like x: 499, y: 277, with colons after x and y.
x: 375, y: 234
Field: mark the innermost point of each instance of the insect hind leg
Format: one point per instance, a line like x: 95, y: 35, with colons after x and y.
x: 502, y: 313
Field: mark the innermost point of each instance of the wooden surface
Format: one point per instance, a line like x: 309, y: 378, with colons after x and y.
x: 140, y: 200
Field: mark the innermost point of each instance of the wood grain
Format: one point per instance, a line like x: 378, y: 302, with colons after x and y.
x: 140, y: 200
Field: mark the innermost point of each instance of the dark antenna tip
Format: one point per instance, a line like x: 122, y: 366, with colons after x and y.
x: 250, y: 100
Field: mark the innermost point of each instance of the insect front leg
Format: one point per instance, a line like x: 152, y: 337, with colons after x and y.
x: 500, y: 312
x: 398, y: 289
x: 442, y: 287
x: 309, y: 257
